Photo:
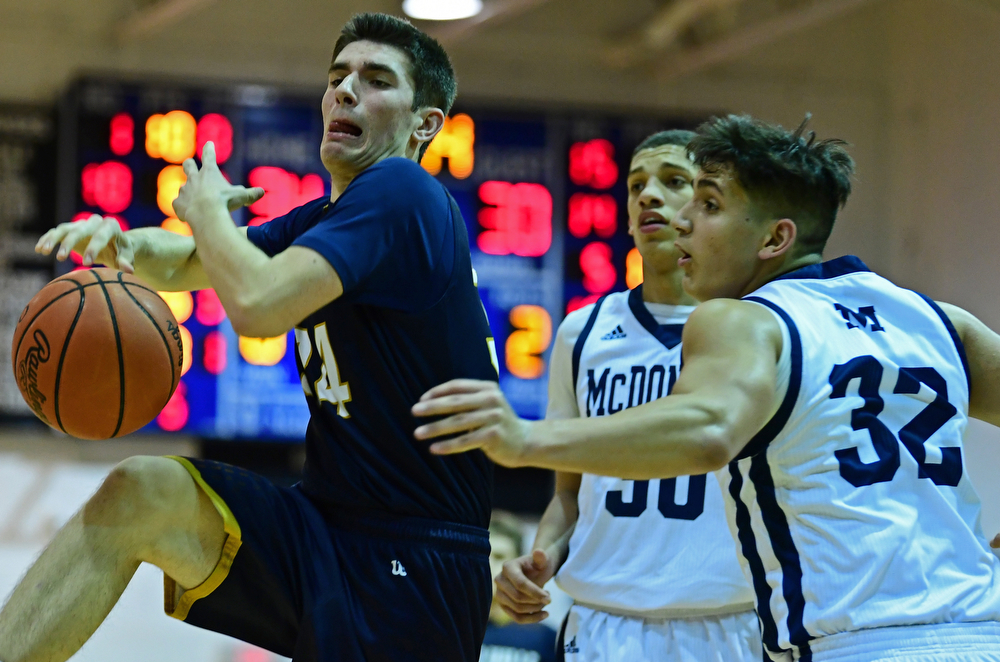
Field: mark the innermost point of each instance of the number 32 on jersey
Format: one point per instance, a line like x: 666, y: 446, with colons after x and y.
x: 329, y: 387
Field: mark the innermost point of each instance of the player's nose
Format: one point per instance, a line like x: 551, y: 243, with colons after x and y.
x: 680, y: 221
x: 650, y: 198
x: 346, y: 94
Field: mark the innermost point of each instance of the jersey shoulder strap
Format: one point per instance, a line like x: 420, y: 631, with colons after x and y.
x: 582, y: 339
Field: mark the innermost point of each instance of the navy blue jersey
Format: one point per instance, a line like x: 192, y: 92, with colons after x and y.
x: 410, y: 318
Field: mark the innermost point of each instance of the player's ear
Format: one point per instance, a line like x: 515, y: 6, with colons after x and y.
x: 431, y: 122
x: 779, y: 239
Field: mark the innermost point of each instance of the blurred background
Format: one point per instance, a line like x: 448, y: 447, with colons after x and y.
x: 101, y: 100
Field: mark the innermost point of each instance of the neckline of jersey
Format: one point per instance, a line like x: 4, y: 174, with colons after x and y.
x: 840, y: 266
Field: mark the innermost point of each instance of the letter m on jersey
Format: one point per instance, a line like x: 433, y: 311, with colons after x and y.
x: 859, y: 319
x: 595, y: 391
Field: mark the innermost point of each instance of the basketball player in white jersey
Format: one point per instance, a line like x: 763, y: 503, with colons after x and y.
x: 837, y: 399
x: 651, y: 566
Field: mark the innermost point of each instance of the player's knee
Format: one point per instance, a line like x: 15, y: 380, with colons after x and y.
x: 141, y: 491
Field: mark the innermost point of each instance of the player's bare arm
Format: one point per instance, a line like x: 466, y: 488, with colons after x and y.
x: 982, y: 349
x: 520, y: 585
x: 166, y: 260
x: 263, y: 296
x: 723, y: 396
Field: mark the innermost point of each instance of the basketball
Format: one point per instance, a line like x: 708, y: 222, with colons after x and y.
x: 97, y: 354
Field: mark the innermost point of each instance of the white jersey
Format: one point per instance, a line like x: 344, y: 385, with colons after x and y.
x: 651, y: 548
x: 852, y: 506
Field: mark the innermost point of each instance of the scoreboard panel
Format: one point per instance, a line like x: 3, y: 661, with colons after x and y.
x: 542, y: 193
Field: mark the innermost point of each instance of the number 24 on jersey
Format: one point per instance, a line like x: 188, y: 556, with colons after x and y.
x: 329, y: 387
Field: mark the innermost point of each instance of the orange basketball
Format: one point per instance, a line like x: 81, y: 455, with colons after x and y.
x: 97, y: 354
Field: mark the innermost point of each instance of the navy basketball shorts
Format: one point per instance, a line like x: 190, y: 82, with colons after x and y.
x: 317, y: 586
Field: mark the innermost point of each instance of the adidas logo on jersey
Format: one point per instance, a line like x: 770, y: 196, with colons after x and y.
x: 615, y: 333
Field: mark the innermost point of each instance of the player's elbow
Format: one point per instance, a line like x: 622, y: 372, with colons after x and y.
x: 252, y: 320
x: 714, y: 449
x: 714, y: 439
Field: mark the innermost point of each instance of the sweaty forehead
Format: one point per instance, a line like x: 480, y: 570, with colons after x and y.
x: 651, y: 160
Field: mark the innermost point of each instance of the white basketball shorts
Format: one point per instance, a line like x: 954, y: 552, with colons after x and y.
x: 941, y: 642
x: 596, y: 636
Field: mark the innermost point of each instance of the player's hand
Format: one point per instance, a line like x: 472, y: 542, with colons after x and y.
x: 995, y: 543
x: 479, y: 410
x: 99, y: 240
x: 206, y: 189
x: 519, y: 586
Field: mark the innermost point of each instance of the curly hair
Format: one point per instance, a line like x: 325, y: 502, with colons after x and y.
x: 786, y: 174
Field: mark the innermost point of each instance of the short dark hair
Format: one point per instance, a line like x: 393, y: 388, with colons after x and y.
x: 786, y: 174
x: 433, y: 76
x: 679, y: 137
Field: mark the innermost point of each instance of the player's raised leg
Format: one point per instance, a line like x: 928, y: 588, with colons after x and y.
x: 148, y: 509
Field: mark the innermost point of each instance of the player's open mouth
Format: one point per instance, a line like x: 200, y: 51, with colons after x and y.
x: 684, y: 259
x: 342, y: 129
x: 651, y: 221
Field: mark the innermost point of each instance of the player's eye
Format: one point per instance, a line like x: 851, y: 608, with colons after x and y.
x: 381, y: 84
x: 710, y: 204
x: 635, y: 187
x: 335, y: 82
x: 679, y: 182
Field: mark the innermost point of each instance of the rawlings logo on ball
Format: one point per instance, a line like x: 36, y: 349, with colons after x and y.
x: 27, y: 373
x: 176, y: 333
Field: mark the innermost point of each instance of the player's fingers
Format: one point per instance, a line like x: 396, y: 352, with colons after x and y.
x: 540, y: 559
x: 456, y: 404
x: 462, y: 444
x: 99, y: 241
x: 242, y: 196
x: 465, y: 422
x: 526, y: 586
x: 525, y: 619
x: 77, y: 233
x: 48, y: 240
x: 457, y: 386
x: 126, y: 257
x: 190, y: 167
x: 208, y: 155
x: 516, y: 601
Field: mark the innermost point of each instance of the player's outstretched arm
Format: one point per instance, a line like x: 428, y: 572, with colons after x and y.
x: 167, y: 261
x: 723, y: 397
x: 982, y: 349
x: 520, y: 591
x: 263, y: 296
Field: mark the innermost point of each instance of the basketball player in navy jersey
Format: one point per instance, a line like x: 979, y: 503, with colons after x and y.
x: 650, y: 565
x: 833, y: 402
x: 381, y: 552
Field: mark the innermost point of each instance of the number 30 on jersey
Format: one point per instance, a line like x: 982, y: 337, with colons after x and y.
x: 329, y: 387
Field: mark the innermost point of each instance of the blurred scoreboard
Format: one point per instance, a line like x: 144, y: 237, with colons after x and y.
x: 543, y: 195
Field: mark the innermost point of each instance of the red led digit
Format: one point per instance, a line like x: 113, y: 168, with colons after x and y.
x: 209, y: 310
x: 284, y: 192
x: 174, y: 415
x: 122, y: 134
x: 579, y: 302
x: 599, y: 274
x: 214, y: 357
x: 592, y: 212
x: 219, y: 130
x: 593, y: 164
x: 108, y: 186
x: 517, y: 219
